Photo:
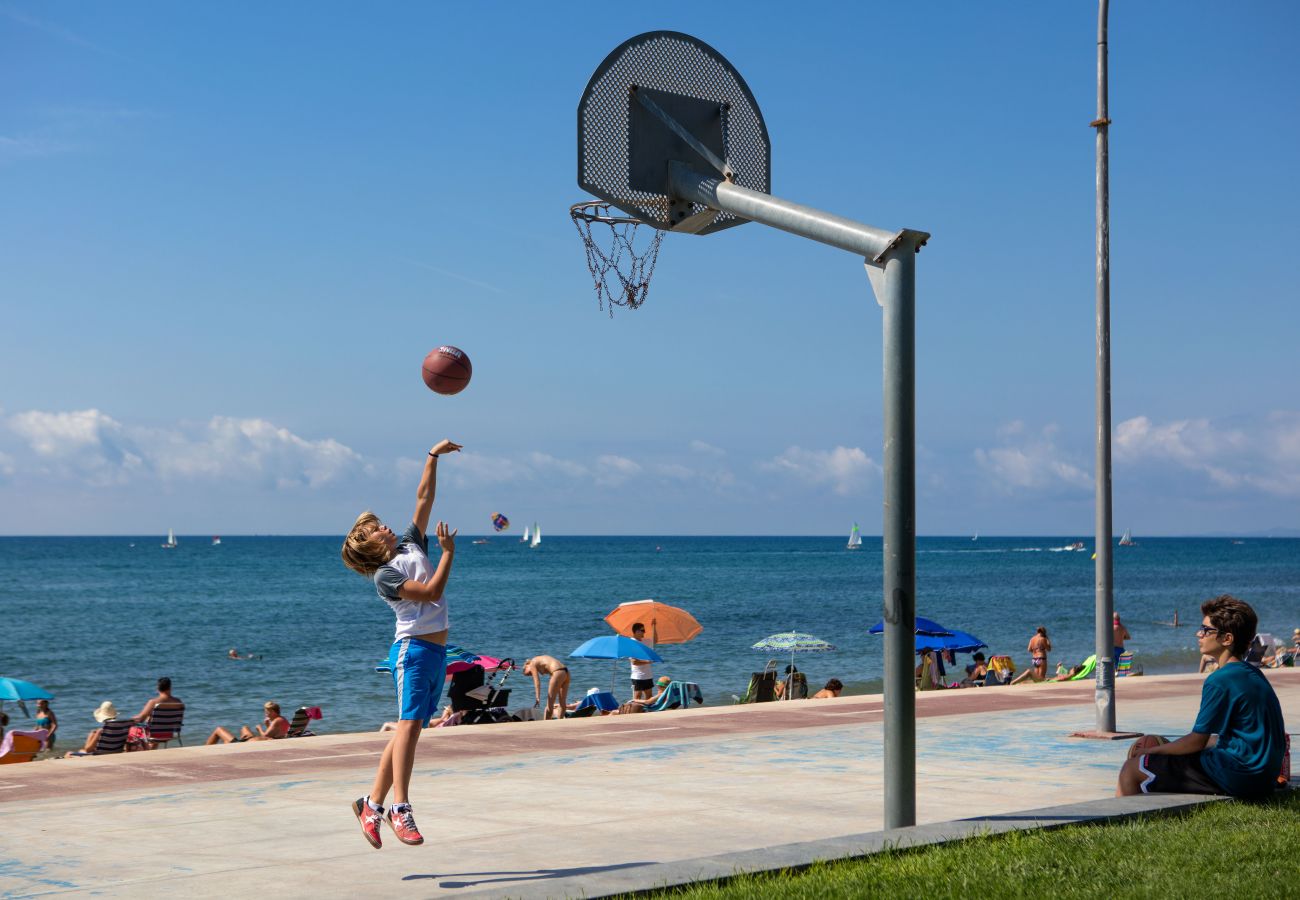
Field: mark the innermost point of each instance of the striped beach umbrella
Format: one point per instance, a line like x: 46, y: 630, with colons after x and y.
x: 793, y: 642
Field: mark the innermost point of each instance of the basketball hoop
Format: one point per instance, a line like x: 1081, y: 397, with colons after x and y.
x: 633, y: 267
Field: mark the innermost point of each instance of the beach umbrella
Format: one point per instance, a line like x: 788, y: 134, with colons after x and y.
x: 957, y: 642
x: 18, y: 690
x: 615, y: 647
x: 671, y: 624
x: 793, y: 642
x: 923, y: 626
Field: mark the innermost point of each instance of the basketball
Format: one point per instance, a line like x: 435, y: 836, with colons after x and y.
x: 1145, y: 743
x: 447, y: 370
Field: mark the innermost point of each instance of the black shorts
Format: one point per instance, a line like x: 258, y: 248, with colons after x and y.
x: 642, y: 684
x: 1166, y: 774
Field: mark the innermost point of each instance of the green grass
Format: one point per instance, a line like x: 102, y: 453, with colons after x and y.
x: 1230, y: 849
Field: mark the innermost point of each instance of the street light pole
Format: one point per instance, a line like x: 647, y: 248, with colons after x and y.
x: 1105, y: 599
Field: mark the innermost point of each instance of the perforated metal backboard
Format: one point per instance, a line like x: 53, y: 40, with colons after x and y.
x: 624, y: 147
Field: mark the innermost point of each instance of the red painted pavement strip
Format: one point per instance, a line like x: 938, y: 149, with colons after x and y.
x: 300, y: 756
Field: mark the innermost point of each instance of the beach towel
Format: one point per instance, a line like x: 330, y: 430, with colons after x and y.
x: 1086, y: 672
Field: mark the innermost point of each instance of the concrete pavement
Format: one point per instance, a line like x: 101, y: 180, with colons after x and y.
x: 563, y: 808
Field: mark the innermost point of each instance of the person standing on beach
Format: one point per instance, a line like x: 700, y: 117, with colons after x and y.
x: 414, y: 590
x: 557, y: 684
x: 1039, y: 646
x: 1237, y: 704
x: 643, y: 677
x: 1120, y: 635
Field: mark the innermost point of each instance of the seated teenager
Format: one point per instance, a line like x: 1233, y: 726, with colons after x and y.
x: 1237, y: 704
x: 274, y: 726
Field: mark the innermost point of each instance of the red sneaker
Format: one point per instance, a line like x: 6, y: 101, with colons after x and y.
x: 369, y: 820
x: 404, y: 826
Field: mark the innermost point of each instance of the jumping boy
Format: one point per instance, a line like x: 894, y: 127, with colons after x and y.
x: 1237, y: 704
x: 407, y: 582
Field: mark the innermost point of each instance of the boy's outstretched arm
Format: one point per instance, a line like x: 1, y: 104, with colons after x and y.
x: 429, y: 485
x: 431, y: 591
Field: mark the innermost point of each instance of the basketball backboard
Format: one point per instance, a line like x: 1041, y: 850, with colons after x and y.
x: 664, y: 97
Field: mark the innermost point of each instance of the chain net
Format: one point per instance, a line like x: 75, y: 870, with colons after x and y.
x: 632, y: 268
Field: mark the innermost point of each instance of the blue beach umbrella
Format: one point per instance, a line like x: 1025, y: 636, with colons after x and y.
x: 923, y: 626
x: 615, y: 647
x: 957, y: 642
x: 21, y: 691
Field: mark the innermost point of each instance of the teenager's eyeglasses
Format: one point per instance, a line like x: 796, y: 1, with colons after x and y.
x: 1206, y: 629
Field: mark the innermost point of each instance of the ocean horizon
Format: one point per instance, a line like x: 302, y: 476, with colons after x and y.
x: 96, y: 618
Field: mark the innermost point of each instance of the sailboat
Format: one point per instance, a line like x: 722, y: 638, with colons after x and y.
x: 171, y: 540
x: 855, y: 539
x: 976, y: 537
x: 524, y: 539
x: 216, y: 540
x: 537, y: 535
x: 1127, y: 539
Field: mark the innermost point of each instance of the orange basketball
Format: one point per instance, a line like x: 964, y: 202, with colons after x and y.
x: 447, y: 370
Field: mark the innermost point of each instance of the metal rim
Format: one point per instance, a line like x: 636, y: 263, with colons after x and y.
x: 586, y: 210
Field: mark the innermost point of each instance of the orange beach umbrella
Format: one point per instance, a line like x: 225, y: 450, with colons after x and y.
x: 667, y: 624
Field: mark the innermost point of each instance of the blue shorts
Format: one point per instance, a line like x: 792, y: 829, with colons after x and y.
x: 419, y: 669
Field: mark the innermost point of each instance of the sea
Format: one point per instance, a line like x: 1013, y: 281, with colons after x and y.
x: 101, y: 618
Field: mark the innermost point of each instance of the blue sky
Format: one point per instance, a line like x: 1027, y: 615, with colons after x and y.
x: 230, y: 232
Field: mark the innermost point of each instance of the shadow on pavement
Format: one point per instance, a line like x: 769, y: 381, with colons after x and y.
x: 524, y: 875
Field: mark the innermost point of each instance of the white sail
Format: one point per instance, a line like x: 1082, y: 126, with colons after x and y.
x: 171, y: 539
x: 855, y: 539
x: 527, y: 533
x: 537, y: 535
x: 1127, y: 539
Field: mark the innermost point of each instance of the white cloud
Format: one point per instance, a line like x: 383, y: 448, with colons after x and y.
x: 707, y: 449
x: 612, y: 471
x: 90, y: 446
x: 846, y: 470
x: 1259, y: 455
x: 1035, y: 464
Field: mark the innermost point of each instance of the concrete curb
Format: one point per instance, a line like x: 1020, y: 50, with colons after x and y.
x: 645, y: 877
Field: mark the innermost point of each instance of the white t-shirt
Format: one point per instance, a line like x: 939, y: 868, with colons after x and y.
x: 410, y: 564
x: 642, y: 672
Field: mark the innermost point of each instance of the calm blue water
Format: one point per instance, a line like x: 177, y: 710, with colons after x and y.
x: 95, y: 619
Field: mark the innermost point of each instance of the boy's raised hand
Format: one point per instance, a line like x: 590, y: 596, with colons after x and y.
x: 444, y: 446
x: 446, y: 537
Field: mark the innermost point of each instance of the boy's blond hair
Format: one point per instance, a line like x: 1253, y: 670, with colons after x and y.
x: 363, y: 550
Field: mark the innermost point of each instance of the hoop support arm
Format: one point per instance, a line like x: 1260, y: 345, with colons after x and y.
x: 872, y: 243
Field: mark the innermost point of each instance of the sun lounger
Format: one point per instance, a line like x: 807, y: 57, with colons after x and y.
x: 678, y: 694
x: 22, y: 746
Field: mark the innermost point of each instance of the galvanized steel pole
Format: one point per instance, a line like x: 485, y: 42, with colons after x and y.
x: 899, y: 337
x: 1105, y: 643
x: 891, y: 260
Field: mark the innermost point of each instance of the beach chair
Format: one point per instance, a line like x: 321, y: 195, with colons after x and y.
x: 163, y: 726
x: 1125, y: 666
x: 795, y: 686
x: 927, y: 681
x: 301, y: 719
x: 112, y: 738
x: 762, y: 685
x: 677, y: 695
x: 1004, y: 668
x: 22, y: 746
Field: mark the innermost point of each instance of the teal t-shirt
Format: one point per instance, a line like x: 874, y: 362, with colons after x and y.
x: 1238, y: 704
